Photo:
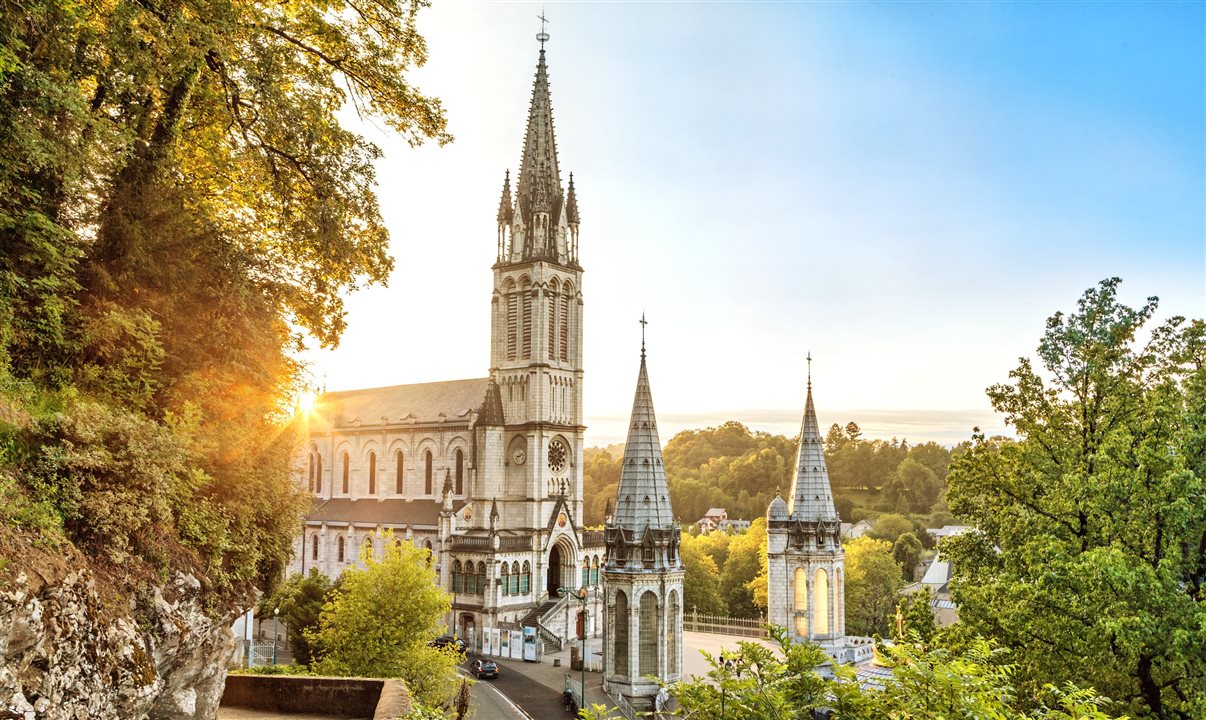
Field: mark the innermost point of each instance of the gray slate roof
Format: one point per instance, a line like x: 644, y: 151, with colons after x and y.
x: 643, y: 500
x: 448, y: 400
x: 811, y: 497
x: 392, y: 511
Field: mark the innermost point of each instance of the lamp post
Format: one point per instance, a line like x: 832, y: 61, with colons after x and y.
x: 275, y: 625
x: 581, y: 597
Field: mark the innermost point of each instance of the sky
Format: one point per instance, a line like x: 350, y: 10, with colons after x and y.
x: 905, y: 190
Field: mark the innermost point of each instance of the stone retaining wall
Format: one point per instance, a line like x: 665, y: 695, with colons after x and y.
x: 334, y: 697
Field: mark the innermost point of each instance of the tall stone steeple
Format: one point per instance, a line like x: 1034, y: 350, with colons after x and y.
x: 805, y: 559
x: 643, y: 575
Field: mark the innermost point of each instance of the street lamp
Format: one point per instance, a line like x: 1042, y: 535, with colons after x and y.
x: 275, y: 626
x: 580, y: 596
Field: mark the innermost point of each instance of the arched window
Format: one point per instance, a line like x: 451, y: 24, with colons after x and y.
x: 458, y: 580
x: 594, y: 571
x: 554, y: 291
x: 514, y: 578
x: 339, y: 549
x: 481, y: 578
x: 512, y: 301
x: 672, y: 640
x: 398, y: 474
x: 649, y: 630
x: 460, y: 472
x: 372, y: 473
x: 427, y: 472
x: 585, y: 572
x: 820, y: 604
x: 525, y: 302
x: 317, y: 472
x: 346, y: 473
x: 566, y: 297
x: 506, y: 579
x: 313, y: 547
x: 621, y: 633
x: 800, y: 601
x: 311, y: 473
x: 525, y: 580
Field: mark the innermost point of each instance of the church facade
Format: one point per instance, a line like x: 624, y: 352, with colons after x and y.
x: 484, y: 472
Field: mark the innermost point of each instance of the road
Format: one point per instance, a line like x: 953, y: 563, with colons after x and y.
x: 490, y: 698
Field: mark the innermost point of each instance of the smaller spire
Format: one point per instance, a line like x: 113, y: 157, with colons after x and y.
x: 506, y: 209
x: 493, y: 511
x: 809, y: 369
x: 571, y: 204
x: 643, y: 324
x: 542, y: 36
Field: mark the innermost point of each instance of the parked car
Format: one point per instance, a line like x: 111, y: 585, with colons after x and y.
x: 484, y: 669
x: 446, y: 640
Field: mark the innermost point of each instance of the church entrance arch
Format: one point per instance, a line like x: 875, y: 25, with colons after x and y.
x: 561, y: 565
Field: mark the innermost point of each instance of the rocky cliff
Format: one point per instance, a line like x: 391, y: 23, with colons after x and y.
x: 70, y: 650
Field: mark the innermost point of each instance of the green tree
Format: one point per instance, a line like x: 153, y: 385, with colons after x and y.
x: 907, y: 550
x: 380, y: 621
x: 701, y: 581
x: 915, y: 616
x: 1090, y: 552
x: 890, y: 526
x: 872, y: 581
x: 915, y: 487
x: 746, y: 561
x: 298, y: 603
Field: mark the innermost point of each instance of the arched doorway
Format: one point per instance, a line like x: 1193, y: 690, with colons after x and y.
x: 467, y: 628
x: 554, y: 566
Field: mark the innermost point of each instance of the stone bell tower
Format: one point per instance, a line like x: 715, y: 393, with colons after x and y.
x: 643, y: 575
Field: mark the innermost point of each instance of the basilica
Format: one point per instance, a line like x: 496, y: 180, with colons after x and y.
x: 485, y: 472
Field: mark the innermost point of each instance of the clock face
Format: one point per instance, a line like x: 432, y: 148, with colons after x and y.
x: 558, y: 452
x: 520, y: 456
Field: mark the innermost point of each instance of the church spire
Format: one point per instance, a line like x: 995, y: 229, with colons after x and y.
x: 538, y: 194
x: 643, y: 500
x: 811, y: 496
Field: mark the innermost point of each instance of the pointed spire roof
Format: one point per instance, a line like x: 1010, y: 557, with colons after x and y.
x: 571, y: 204
x: 643, y: 499
x: 506, y: 208
x: 494, y: 511
x: 491, y: 411
x: 811, y: 497
x: 539, y: 185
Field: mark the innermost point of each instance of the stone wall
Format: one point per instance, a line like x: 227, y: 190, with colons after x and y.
x: 67, y: 654
x: 336, y: 697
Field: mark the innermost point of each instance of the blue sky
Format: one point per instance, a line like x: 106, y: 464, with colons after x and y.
x: 906, y: 189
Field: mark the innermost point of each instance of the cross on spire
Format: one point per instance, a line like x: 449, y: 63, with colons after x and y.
x: 643, y: 324
x: 542, y: 36
x: 809, y: 369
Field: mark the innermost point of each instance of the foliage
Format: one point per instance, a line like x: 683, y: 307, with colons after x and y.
x: 907, y: 550
x: 758, y: 683
x: 274, y: 670
x: 380, y: 621
x: 915, y: 616
x: 600, y: 481
x: 1090, y: 552
x: 701, y: 580
x: 299, y: 601
x: 179, y: 205
x: 746, y: 563
x: 873, y: 580
x: 889, y: 527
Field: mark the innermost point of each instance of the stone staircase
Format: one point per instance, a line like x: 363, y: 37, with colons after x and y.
x: 549, y: 620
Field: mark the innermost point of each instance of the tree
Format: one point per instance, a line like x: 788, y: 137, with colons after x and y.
x: 907, y: 551
x: 1089, y: 554
x: 915, y: 617
x: 299, y: 601
x: 915, y: 487
x: 872, y: 581
x: 701, y: 581
x: 381, y: 620
x: 890, y: 526
x: 746, y: 561
x: 761, y: 684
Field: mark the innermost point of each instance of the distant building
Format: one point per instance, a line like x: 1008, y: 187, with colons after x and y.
x: 947, y: 531
x: 855, y: 530
x: 718, y: 519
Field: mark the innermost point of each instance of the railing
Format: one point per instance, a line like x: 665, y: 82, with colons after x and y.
x: 512, y: 542
x: 625, y: 707
x: 471, y: 542
x: 724, y: 625
x: 575, y: 689
x: 545, y: 631
x: 592, y: 538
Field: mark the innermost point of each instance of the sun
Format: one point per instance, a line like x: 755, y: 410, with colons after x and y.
x: 307, y: 401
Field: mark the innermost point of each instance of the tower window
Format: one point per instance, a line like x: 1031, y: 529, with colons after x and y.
x: 672, y: 640
x: 649, y: 633
x: 427, y: 485
x: 820, y: 604
x: 512, y: 323
x: 339, y: 549
x: 372, y: 473
x: 525, y: 299
x: 311, y: 473
x: 313, y: 547
x: 565, y: 313
x: 460, y: 472
x: 398, y: 474
x: 318, y: 472
x: 346, y: 473
x: 621, y: 634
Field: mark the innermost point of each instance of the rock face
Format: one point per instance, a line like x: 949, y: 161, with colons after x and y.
x: 62, y: 656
